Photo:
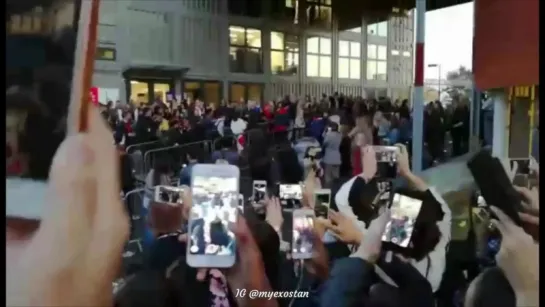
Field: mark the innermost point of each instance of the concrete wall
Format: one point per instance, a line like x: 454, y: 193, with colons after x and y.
x: 195, y: 34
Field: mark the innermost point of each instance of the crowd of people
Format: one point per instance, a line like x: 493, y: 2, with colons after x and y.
x: 325, y: 143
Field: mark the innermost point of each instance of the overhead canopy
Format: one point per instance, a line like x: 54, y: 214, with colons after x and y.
x: 506, y: 44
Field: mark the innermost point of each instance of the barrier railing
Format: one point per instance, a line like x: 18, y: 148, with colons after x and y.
x: 176, y: 156
x: 134, y: 203
x: 145, y: 146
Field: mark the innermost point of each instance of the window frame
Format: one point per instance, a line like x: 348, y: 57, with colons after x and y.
x: 350, y: 58
x: 374, y: 62
x: 319, y: 55
x: 247, y: 48
x: 286, y: 52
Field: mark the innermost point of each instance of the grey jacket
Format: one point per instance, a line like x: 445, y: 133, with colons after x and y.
x: 332, y: 142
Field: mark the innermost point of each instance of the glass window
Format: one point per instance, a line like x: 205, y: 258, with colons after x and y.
x: 245, y: 51
x: 344, y: 49
x: 277, y: 40
x: 372, y: 29
x: 313, y: 45
x: 371, y: 70
x: 325, y: 66
x: 254, y: 92
x: 355, y: 71
x: 382, y: 53
x: 237, y: 92
x: 355, y: 49
x: 395, y: 52
x: 212, y: 92
x: 325, y: 46
x: 236, y: 36
x: 277, y: 62
x: 406, y: 54
x: 356, y: 30
x: 160, y: 91
x: 344, y: 68
x: 312, y: 65
x: 371, y: 51
x: 382, y: 29
x: 253, y: 38
x: 381, y: 70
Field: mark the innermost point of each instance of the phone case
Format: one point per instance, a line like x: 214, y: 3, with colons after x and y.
x: 494, y: 184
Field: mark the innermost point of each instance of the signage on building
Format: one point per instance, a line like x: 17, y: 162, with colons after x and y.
x: 106, y: 54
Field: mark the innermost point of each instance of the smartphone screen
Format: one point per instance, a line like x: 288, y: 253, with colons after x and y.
x: 40, y: 54
x: 523, y: 165
x: 259, y: 190
x: 214, y: 210
x: 322, y: 199
x: 41, y: 41
x: 241, y: 202
x: 404, y: 211
x: 168, y: 194
x: 290, y: 196
x: 386, y: 161
x: 303, y: 234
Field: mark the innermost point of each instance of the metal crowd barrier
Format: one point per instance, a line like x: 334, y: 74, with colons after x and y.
x: 134, y: 202
x: 216, y: 144
x: 176, y: 156
x: 143, y: 147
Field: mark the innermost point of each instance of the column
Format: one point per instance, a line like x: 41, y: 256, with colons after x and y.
x: 418, y: 93
x: 500, y: 127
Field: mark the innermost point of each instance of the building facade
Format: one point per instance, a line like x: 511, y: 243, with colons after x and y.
x: 250, y: 50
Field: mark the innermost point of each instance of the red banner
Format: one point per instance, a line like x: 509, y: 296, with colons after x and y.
x: 506, y: 45
x: 94, y: 95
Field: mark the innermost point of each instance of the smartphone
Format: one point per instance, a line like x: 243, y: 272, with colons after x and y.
x: 168, y: 195
x: 290, y: 196
x: 386, y: 161
x: 215, y: 193
x: 404, y: 212
x: 523, y: 165
x: 259, y: 190
x: 302, y: 244
x: 383, y: 198
x: 48, y: 76
x: 322, y: 200
x: 241, y: 202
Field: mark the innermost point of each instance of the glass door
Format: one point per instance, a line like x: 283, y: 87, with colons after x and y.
x: 160, y: 91
x: 139, y: 92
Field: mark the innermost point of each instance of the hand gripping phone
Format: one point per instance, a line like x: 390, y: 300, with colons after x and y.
x: 322, y: 200
x: 50, y: 53
x: 215, y: 193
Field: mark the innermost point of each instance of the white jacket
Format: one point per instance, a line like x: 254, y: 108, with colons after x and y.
x: 434, y: 264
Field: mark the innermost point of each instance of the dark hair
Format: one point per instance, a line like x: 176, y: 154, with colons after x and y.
x: 160, y: 167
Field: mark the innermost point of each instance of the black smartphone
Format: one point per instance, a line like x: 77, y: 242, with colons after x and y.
x: 42, y: 44
x: 386, y: 161
x: 322, y: 201
x: 494, y: 184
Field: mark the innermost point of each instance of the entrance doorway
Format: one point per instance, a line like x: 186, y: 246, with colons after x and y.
x: 146, y: 84
x: 147, y: 91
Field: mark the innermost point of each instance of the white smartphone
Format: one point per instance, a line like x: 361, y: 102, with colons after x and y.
x: 259, y: 190
x: 241, y: 202
x: 48, y: 84
x: 404, y: 212
x: 322, y: 200
x: 302, y: 244
x: 290, y: 195
x: 215, y: 193
x: 168, y: 195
